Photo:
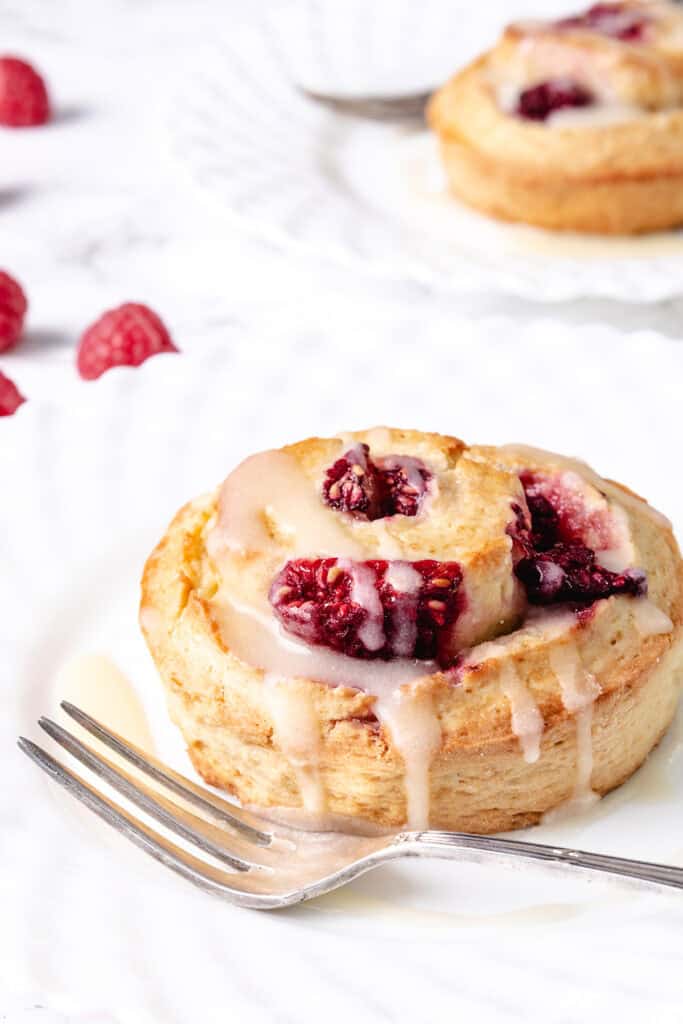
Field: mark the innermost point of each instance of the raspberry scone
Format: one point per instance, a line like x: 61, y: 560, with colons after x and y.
x: 396, y: 628
x: 574, y: 124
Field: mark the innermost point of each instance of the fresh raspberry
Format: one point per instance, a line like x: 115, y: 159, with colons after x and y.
x: 555, y: 565
x: 23, y: 97
x: 366, y: 609
x: 13, y: 307
x: 542, y: 100
x: 10, y: 396
x: 124, y: 336
x: 373, y: 489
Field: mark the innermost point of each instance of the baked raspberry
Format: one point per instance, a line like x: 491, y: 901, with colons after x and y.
x: 373, y: 609
x: 23, y: 96
x: 367, y: 489
x: 404, y: 482
x: 13, y: 307
x: 352, y: 484
x: 555, y: 565
x: 613, y: 20
x: 125, y: 336
x: 569, y: 572
x: 10, y: 396
x: 540, y: 101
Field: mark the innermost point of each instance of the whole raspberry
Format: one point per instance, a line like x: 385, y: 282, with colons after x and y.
x: 13, y: 307
x: 10, y: 396
x: 23, y: 97
x: 124, y: 336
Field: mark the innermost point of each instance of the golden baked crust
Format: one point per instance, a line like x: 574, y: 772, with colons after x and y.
x: 478, y: 778
x: 619, y: 176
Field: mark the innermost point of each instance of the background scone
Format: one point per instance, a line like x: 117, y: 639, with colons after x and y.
x: 574, y: 124
x: 398, y: 628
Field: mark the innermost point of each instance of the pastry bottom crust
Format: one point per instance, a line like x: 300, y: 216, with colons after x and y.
x: 616, y: 206
x: 363, y: 780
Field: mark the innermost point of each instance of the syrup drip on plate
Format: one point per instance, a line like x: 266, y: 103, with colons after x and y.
x: 96, y: 685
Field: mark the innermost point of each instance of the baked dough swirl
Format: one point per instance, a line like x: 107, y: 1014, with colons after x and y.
x: 574, y: 124
x: 396, y: 628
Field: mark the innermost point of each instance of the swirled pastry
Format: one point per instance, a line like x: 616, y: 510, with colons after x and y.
x: 395, y: 627
x: 574, y: 124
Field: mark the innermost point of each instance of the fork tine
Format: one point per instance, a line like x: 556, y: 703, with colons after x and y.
x: 219, y: 810
x: 186, y: 825
x: 206, y: 876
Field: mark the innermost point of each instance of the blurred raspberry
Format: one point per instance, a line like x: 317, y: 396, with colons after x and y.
x: 23, y: 96
x: 10, y: 396
x: 13, y: 307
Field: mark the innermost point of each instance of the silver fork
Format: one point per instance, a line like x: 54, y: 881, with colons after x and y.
x: 408, y: 107
x: 255, y: 863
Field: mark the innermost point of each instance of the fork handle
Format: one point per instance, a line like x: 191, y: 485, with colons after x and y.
x: 465, y: 847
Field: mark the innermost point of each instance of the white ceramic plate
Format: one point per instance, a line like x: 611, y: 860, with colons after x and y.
x: 373, y: 196
x: 89, y: 482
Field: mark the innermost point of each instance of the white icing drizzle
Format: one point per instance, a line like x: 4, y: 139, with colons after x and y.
x: 415, y: 730
x: 255, y: 636
x: 364, y: 593
x: 621, y: 554
x: 296, y: 732
x: 649, y: 619
x: 292, y: 503
x: 406, y: 581
x: 527, y: 720
x: 579, y: 691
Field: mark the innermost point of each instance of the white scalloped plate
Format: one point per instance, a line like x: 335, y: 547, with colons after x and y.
x: 89, y: 482
x: 373, y: 196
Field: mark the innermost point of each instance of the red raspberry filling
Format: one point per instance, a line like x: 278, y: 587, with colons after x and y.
x: 613, y: 20
x: 555, y: 565
x: 318, y: 601
x: 374, y: 489
x: 540, y: 101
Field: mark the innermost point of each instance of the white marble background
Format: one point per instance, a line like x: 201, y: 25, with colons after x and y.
x: 93, y: 212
